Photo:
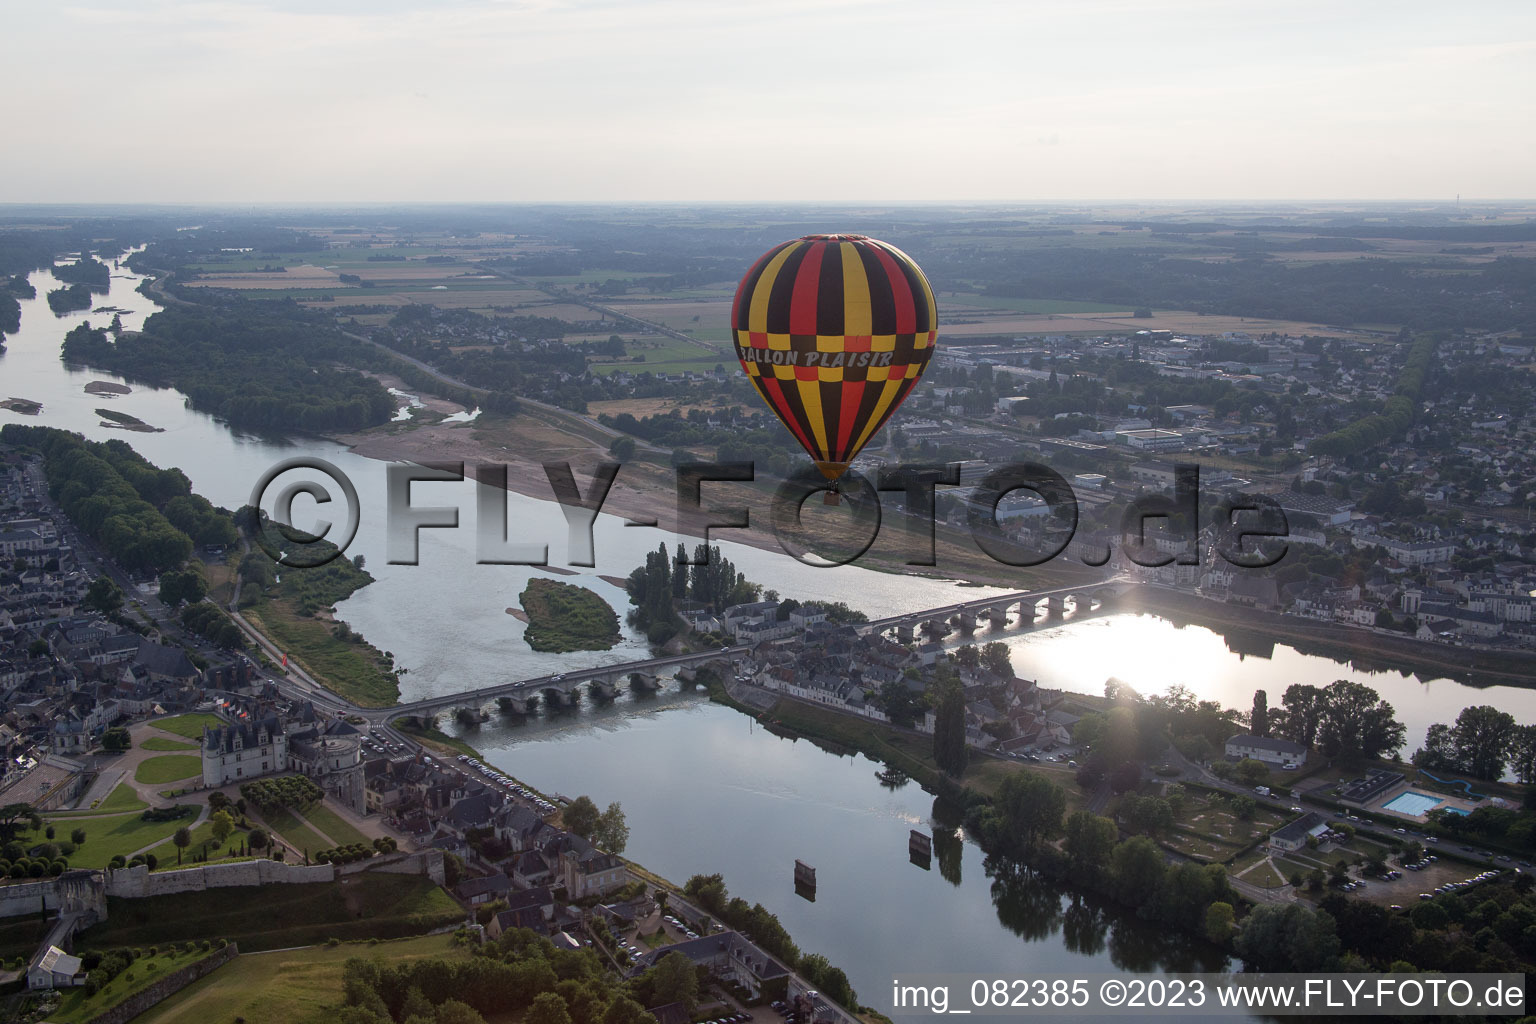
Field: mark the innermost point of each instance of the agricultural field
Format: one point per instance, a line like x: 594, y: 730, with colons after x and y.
x: 707, y: 320
x: 667, y: 355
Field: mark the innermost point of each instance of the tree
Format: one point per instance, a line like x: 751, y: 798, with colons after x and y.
x: 582, y: 816
x: 1522, y: 753
x: 182, y: 585
x: 1090, y: 841
x: 1250, y: 772
x: 77, y: 836
x: 1439, y: 750
x: 1287, y: 937
x: 1258, y: 721
x: 1302, y: 711
x: 11, y: 818
x: 624, y: 1010
x: 1148, y: 814
x: 223, y: 825
x: 612, y: 833
x: 116, y: 740
x: 998, y: 658
x: 949, y: 748
x: 1357, y: 723
x: 257, y: 839
x: 451, y: 1011
x: 1137, y: 868
x: 1482, y: 737
x: 673, y: 980
x: 1030, y: 807
x: 103, y: 595
x: 708, y: 891
x: 1219, y: 918
x: 622, y: 448
x: 182, y: 839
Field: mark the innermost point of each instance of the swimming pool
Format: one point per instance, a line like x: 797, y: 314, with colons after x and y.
x: 1412, y: 803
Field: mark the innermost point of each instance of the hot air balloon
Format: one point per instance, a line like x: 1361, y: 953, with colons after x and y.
x: 834, y: 332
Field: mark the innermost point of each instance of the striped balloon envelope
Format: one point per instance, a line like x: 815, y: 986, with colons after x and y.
x: 834, y: 332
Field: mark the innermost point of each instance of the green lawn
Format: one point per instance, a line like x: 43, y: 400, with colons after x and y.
x: 159, y: 743
x: 1266, y: 876
x: 76, y: 1007
x: 279, y: 916
x: 107, y: 837
x: 284, y: 988
x: 189, y: 725
x: 168, y: 768
x: 295, y: 831
x: 202, y: 842
x: 335, y: 826
x: 122, y: 798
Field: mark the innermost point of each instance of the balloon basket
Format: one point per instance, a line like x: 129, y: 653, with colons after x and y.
x: 830, y: 498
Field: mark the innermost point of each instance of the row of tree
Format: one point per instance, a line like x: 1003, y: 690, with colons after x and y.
x: 1482, y: 743
x: 1343, y: 719
x: 1396, y: 414
x: 111, y: 493
x: 761, y: 926
x: 521, y: 973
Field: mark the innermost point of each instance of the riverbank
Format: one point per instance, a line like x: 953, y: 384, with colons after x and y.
x: 1354, y: 645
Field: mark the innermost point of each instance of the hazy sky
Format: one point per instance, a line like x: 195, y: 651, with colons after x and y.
x: 379, y: 100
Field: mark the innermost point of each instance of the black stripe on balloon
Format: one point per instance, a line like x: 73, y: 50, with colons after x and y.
x: 882, y: 301
x: 831, y: 413
x: 782, y: 290
x: 791, y: 389
x: 829, y: 294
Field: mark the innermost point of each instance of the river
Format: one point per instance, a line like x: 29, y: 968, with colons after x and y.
x: 704, y: 789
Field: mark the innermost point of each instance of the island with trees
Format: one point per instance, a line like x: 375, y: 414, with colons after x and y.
x: 70, y: 299
x: 564, y: 617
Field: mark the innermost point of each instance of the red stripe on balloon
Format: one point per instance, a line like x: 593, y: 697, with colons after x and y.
x: 802, y: 302
x: 853, y: 391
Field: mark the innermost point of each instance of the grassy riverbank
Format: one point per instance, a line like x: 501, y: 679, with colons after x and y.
x: 357, y: 671
x: 435, y: 740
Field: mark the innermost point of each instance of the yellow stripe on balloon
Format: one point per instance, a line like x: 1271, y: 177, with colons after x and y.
x: 857, y: 314
x: 882, y: 404
x: 810, y: 398
x: 757, y: 313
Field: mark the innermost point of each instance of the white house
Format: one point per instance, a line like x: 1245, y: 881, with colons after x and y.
x: 1268, y: 749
